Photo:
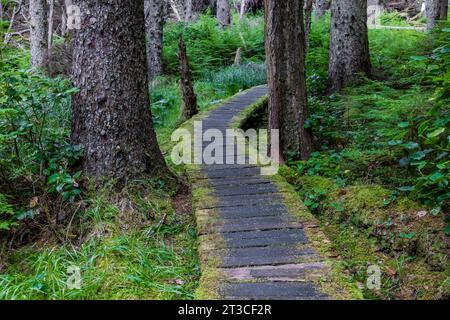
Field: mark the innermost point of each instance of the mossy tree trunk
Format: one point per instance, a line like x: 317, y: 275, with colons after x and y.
x: 349, y: 43
x: 154, y: 10
x: 190, y: 107
x: 111, y: 112
x: 285, y: 51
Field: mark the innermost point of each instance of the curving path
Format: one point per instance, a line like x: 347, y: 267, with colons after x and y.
x: 264, y: 252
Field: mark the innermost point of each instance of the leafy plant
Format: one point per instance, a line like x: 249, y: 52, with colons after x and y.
x: 6, y: 214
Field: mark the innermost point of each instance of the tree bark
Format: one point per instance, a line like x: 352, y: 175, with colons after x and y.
x: 193, y: 9
x: 433, y: 12
x: 154, y: 10
x: 444, y: 10
x: 111, y: 112
x: 223, y: 13
x: 308, y: 20
x: 65, y: 4
x: 322, y: 6
x: 38, y: 33
x: 285, y: 51
x: 190, y: 107
x: 349, y: 44
x: 51, y: 9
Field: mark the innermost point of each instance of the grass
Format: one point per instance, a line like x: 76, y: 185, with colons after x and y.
x: 133, y: 249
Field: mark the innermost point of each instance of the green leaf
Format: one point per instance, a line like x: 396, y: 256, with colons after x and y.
x: 403, y: 125
x: 338, y: 207
x: 406, y: 188
x: 411, y: 145
x: 409, y: 235
x: 436, y: 211
x: 419, y: 58
x: 436, y: 133
x: 436, y: 176
x: 447, y: 230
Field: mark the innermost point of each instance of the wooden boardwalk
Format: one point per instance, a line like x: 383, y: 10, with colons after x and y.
x: 263, y: 252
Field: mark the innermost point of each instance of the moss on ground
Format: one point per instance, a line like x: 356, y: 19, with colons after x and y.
x: 367, y: 226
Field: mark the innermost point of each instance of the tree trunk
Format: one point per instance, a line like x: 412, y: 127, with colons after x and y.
x: 38, y: 33
x: 433, y: 12
x: 223, y: 13
x: 65, y: 4
x: 154, y: 10
x: 51, y: 10
x: 308, y: 20
x: 349, y: 43
x: 285, y: 51
x: 322, y: 6
x: 190, y: 107
x: 111, y: 112
x: 193, y: 9
x: 444, y: 10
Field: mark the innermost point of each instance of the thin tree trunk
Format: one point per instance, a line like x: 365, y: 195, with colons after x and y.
x: 285, y: 51
x: 349, y: 43
x: 243, y: 9
x: 322, y: 6
x: 193, y: 8
x: 223, y: 13
x: 38, y: 33
x: 433, y: 12
x: 155, y: 27
x: 190, y: 107
x: 238, y: 56
x: 51, y: 9
x: 308, y: 20
x: 111, y: 112
x: 444, y: 10
x: 65, y: 4
x: 175, y: 10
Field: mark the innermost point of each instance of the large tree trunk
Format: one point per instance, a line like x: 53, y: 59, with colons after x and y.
x: 433, y: 12
x: 190, y: 107
x: 322, y: 6
x: 111, y: 112
x: 38, y: 33
x: 285, y: 51
x: 349, y: 44
x: 444, y: 10
x: 154, y: 10
x: 223, y: 13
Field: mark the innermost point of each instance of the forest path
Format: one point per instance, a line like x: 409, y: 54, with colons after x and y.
x: 251, y: 247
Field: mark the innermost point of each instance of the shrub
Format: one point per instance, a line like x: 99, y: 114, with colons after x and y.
x: 34, y: 131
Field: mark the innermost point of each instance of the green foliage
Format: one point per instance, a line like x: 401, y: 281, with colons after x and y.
x: 317, y: 56
x: 209, y: 47
x: 230, y: 80
x: 6, y: 214
x: 34, y: 126
x: 426, y: 137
